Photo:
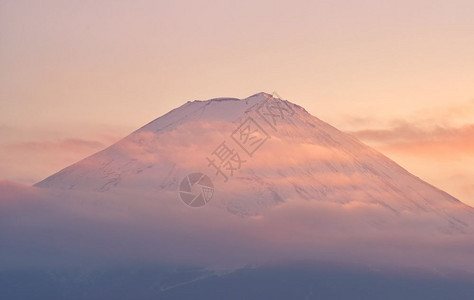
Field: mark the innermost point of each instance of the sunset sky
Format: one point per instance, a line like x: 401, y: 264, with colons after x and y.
x: 77, y: 76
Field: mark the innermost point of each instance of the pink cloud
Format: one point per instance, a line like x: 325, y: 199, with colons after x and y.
x: 32, y: 160
x: 70, y: 145
x: 411, y: 138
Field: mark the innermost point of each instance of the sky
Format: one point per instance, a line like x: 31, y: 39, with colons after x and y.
x: 77, y: 76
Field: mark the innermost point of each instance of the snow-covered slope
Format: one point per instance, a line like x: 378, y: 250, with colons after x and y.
x: 279, y: 153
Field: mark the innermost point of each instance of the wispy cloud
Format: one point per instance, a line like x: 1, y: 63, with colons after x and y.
x: 446, y: 116
x: 415, y: 139
x: 72, y: 145
x: 29, y: 161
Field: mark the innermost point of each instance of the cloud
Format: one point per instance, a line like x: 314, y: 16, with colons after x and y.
x: 452, y: 115
x: 46, y: 228
x: 439, y: 125
x: 459, y: 111
x: 442, y: 155
x: 404, y: 131
x: 71, y: 145
x: 31, y: 160
x: 414, y: 139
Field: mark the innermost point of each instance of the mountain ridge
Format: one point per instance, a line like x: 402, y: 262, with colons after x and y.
x: 308, y: 160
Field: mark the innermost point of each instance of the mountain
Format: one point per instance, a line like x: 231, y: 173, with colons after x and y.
x: 235, y: 199
x: 257, y: 153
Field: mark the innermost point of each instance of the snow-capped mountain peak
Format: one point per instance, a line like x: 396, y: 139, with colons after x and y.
x: 259, y: 153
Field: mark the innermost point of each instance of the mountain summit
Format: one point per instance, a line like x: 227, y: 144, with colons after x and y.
x: 256, y: 154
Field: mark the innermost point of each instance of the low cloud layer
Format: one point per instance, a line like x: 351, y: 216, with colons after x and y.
x: 47, y: 228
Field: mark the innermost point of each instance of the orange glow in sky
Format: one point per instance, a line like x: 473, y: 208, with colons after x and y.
x: 78, y: 75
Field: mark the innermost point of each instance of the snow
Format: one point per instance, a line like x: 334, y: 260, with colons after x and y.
x: 305, y: 159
